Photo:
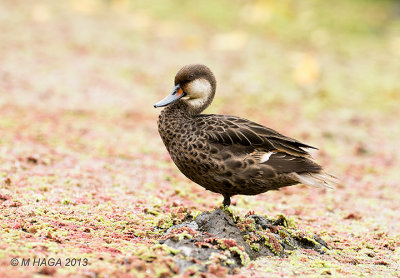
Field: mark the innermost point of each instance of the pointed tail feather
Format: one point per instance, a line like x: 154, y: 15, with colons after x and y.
x: 317, y: 179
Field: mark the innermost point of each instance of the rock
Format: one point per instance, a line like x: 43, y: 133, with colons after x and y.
x: 220, y: 237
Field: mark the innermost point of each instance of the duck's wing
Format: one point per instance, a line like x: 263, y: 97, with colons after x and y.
x: 248, y: 148
x: 230, y: 130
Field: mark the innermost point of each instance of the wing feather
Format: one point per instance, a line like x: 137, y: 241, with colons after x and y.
x: 233, y: 130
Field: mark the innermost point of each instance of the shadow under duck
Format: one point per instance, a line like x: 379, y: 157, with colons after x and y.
x: 227, y: 154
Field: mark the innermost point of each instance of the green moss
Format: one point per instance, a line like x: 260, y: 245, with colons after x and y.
x: 285, y: 235
x: 272, y: 243
x: 322, y: 264
x: 184, y: 235
x: 255, y: 247
x: 244, y: 258
x: 225, y: 243
x: 165, y: 223
x: 197, y: 213
x: 66, y: 202
x: 246, y: 225
x: 229, y: 211
x: 150, y: 211
x: 167, y: 249
x: 284, y: 221
x: 305, y: 237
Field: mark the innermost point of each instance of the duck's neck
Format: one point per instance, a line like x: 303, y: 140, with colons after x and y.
x: 181, y: 108
x: 172, y: 116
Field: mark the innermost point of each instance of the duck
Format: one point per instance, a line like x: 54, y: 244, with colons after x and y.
x: 226, y: 154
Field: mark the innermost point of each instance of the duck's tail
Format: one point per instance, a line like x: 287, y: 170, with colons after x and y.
x: 317, y: 179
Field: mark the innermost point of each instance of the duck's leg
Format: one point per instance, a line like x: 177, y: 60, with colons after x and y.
x: 227, y: 201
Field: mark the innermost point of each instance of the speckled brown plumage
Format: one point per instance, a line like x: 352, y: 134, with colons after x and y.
x: 227, y: 154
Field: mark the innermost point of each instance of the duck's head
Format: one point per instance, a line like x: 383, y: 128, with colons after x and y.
x: 195, y: 85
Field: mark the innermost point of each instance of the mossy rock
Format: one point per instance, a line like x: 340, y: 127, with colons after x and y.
x: 219, y: 236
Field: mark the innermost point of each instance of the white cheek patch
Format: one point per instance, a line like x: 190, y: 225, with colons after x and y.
x: 198, y: 91
x: 199, y: 88
x: 265, y: 157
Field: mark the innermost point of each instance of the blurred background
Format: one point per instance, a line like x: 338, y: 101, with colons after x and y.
x: 115, y: 53
x: 79, y: 145
x: 293, y: 65
x: 325, y: 73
